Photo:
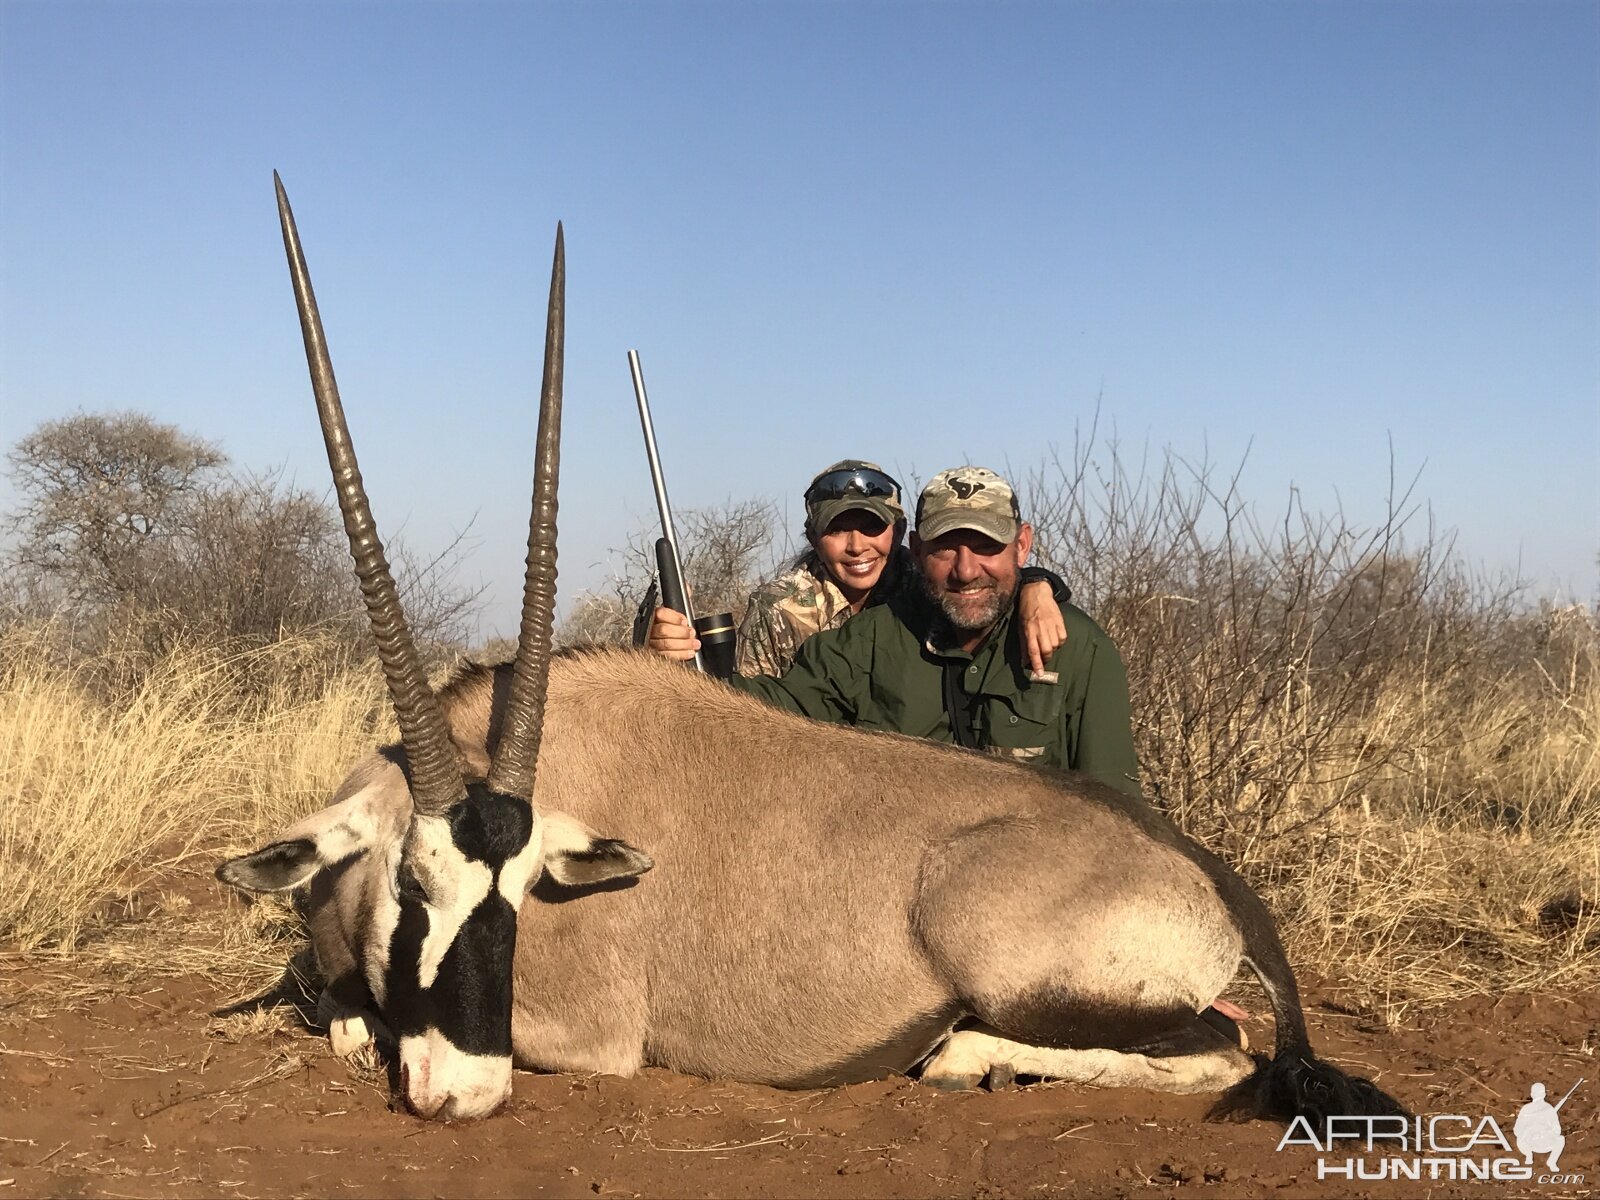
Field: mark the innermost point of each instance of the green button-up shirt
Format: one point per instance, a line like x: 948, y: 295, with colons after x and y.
x: 879, y: 671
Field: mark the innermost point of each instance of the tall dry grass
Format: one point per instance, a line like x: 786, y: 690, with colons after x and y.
x: 106, y: 788
x: 1468, y: 865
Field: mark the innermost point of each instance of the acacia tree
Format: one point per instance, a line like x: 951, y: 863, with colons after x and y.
x: 140, y: 531
x: 98, y: 491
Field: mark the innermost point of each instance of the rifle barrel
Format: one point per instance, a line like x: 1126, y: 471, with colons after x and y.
x: 663, y: 506
x: 1568, y: 1096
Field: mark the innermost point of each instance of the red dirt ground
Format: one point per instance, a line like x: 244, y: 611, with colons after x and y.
x: 139, y: 1096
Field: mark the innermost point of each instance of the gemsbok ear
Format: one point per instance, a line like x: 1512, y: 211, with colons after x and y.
x: 274, y: 868
x: 574, y: 856
x: 306, y: 847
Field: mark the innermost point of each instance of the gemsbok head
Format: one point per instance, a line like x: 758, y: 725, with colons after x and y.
x: 440, y: 937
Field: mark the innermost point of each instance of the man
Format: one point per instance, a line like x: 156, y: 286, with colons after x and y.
x: 945, y: 661
x: 855, y: 558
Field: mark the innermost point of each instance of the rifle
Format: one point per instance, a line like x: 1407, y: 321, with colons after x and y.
x: 716, y: 633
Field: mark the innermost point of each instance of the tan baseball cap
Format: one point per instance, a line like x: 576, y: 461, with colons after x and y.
x: 852, y: 483
x: 968, y: 498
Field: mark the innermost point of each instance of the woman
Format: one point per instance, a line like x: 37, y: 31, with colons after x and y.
x: 855, y: 525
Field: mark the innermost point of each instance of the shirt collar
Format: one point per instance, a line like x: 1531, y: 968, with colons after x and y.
x: 930, y: 625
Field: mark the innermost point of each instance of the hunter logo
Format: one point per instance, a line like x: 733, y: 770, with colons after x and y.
x: 1538, y: 1127
x: 1443, y: 1146
x: 964, y: 488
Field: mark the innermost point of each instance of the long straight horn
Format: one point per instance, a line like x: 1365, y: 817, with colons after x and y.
x: 518, y: 752
x: 435, y: 772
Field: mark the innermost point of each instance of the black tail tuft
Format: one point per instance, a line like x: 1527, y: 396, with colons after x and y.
x: 1302, y: 1085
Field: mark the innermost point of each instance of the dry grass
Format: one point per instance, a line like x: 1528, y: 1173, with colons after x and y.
x: 1468, y: 861
x: 107, y: 792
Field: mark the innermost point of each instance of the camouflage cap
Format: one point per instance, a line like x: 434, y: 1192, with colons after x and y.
x: 968, y: 498
x: 850, y: 484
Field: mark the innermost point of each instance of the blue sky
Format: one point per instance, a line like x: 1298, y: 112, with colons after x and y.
x: 920, y: 233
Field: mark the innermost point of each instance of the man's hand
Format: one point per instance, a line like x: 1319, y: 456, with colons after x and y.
x: 1043, y: 630
x: 671, y: 636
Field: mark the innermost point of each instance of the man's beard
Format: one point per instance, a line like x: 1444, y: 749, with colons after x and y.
x: 969, y: 617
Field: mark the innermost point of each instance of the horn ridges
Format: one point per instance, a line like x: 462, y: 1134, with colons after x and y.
x: 436, y: 781
x: 517, y: 756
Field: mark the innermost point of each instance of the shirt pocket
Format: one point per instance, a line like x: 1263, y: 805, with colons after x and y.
x: 1026, y: 728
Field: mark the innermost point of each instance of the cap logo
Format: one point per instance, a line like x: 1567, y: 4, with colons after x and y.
x: 964, y: 488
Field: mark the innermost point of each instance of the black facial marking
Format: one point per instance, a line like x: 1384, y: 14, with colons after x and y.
x: 470, y: 999
x: 471, y: 996
x: 405, y: 1009
x: 408, y: 885
x: 491, y: 828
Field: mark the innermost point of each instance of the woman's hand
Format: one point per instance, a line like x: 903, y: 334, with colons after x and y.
x: 671, y: 637
x: 1043, y: 630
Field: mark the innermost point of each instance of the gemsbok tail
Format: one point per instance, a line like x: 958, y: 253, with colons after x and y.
x: 1294, y: 1082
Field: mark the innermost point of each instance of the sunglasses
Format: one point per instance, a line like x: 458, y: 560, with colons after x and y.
x: 862, y: 481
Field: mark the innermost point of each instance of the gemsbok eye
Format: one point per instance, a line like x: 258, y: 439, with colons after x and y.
x: 409, y: 886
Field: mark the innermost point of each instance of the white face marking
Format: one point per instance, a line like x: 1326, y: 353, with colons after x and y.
x: 455, y: 885
x: 441, y: 1081
x: 518, y: 873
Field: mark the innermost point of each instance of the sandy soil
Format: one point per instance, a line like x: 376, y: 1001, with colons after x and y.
x: 146, y: 1095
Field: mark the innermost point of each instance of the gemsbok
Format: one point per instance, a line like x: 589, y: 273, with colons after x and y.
x: 794, y: 904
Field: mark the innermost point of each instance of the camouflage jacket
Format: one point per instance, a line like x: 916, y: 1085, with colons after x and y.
x: 803, y: 601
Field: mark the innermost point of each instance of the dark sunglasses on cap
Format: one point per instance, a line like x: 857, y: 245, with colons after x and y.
x: 862, y: 481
